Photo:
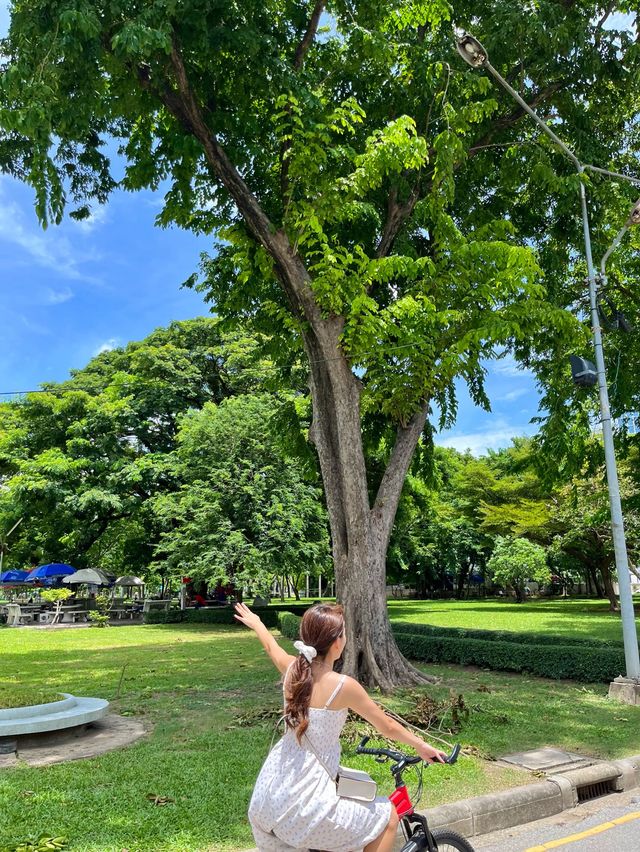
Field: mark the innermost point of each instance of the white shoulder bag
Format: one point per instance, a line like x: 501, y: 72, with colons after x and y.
x: 350, y: 783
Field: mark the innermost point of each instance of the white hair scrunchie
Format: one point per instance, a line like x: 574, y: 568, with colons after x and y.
x: 307, y: 651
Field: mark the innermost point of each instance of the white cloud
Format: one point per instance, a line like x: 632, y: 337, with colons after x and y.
x: 97, y: 217
x: 57, y: 297
x: 508, y: 366
x: 46, y: 248
x: 493, y: 437
x: 107, y: 346
x: 510, y: 396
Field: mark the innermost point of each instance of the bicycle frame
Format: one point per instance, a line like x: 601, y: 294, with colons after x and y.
x: 412, y: 823
x: 414, y: 826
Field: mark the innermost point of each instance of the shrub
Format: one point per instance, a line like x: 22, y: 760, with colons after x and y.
x: 499, y: 635
x: 553, y: 661
x: 289, y: 624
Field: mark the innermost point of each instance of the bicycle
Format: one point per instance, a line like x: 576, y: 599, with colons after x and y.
x: 417, y: 833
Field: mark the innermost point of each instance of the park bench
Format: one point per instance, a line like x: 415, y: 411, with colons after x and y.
x: 16, y: 617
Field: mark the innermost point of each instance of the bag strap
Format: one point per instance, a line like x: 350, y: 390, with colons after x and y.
x: 319, y: 759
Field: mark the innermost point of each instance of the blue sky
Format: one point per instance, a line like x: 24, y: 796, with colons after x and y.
x: 70, y: 291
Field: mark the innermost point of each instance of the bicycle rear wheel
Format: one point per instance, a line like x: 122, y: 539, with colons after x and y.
x: 450, y: 841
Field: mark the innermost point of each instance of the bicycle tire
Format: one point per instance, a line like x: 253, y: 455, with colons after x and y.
x: 447, y: 841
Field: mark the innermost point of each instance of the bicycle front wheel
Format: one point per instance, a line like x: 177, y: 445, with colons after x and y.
x: 450, y: 841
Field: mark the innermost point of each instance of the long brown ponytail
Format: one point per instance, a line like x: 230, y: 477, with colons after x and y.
x: 321, y: 625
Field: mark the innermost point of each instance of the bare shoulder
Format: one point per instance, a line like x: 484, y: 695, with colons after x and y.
x: 284, y: 662
x: 352, y: 693
x: 352, y: 687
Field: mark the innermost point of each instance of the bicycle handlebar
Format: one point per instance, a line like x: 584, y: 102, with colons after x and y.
x: 398, y: 756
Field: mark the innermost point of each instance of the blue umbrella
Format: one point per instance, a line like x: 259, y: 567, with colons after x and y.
x: 53, y: 569
x: 14, y: 576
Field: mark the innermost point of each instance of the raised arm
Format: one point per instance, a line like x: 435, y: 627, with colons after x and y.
x: 279, y: 657
x: 358, y: 700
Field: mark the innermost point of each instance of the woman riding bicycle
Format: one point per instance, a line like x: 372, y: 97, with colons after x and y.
x: 295, y: 804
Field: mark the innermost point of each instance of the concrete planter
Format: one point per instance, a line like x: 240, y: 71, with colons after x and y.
x: 70, y: 712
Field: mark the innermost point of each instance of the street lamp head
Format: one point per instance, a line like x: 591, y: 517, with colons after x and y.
x: 634, y: 216
x: 472, y: 51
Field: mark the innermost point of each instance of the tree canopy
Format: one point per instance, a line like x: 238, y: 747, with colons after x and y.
x: 377, y: 204
x: 82, y: 460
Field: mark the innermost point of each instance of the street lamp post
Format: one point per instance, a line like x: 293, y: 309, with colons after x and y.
x: 624, y: 688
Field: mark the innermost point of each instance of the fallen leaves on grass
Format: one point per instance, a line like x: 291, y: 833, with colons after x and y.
x: 36, y: 844
x: 160, y: 800
x: 446, y: 716
x: 474, y: 751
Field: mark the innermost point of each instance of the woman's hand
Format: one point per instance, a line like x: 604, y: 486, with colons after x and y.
x: 430, y: 754
x: 248, y: 618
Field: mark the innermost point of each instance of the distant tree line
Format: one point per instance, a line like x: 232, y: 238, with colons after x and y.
x: 186, y: 454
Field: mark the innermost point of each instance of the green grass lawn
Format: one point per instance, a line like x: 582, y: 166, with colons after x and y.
x: 195, y: 685
x: 582, y: 617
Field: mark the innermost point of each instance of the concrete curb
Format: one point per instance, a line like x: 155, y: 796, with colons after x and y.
x: 520, y: 805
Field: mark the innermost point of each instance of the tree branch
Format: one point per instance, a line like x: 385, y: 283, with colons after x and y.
x: 512, y: 117
x: 397, y: 215
x: 289, y: 268
x: 310, y: 34
x: 603, y: 20
x: 388, y: 496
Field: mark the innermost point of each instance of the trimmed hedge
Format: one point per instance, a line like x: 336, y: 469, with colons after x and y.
x: 219, y: 615
x: 500, y: 635
x: 554, y: 661
x: 575, y: 660
x: 289, y: 624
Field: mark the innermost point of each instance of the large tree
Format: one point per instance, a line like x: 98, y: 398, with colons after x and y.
x: 246, y: 511
x: 82, y: 460
x: 374, y: 199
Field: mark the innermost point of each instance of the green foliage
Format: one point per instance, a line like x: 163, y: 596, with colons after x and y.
x: 371, y: 120
x: 516, y: 560
x: 587, y: 665
x: 246, y: 508
x: 270, y: 615
x: 419, y: 211
x: 55, y: 595
x: 289, y: 625
x: 520, y: 638
x: 83, y: 460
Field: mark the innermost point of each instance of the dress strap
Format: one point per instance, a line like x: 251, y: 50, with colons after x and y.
x: 335, y: 691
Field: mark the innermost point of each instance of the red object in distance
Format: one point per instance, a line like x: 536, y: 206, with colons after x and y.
x: 186, y: 580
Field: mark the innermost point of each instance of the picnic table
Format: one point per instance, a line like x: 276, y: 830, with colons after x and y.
x: 73, y: 612
x: 151, y: 603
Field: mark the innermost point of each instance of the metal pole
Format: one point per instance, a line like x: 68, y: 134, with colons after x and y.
x: 630, y: 638
x: 631, y: 655
x: 525, y: 106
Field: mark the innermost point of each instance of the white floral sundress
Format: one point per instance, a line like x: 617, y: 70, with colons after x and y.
x: 295, y: 804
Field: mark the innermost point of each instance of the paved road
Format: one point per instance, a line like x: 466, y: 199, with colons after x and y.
x: 587, y: 828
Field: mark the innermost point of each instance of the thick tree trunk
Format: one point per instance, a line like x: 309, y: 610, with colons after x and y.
x: 463, y: 575
x: 371, y: 654
x: 360, y: 533
x: 595, y: 579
